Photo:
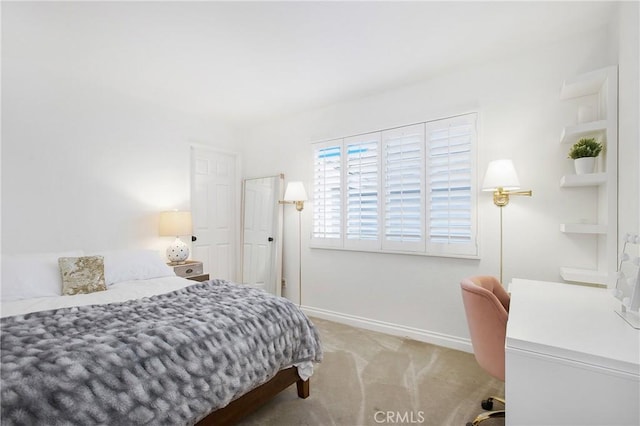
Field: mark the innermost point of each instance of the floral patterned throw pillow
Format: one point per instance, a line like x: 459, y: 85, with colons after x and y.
x: 82, y: 275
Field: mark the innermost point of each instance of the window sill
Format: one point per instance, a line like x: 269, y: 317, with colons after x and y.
x: 410, y: 253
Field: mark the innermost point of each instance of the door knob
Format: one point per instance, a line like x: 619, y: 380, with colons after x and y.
x: 270, y: 239
x: 193, y: 238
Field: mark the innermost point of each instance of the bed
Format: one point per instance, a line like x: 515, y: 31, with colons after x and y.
x: 150, y: 350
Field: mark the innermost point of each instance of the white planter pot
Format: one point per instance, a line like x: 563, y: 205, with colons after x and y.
x: 584, y: 165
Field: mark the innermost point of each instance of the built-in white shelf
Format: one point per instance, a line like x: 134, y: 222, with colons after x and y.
x: 585, y: 84
x: 571, y: 134
x: 583, y: 228
x: 601, y: 88
x: 589, y: 179
x: 589, y: 276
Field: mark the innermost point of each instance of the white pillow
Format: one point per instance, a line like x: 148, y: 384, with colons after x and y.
x: 133, y: 264
x: 32, y: 275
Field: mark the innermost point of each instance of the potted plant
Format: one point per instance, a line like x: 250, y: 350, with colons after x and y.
x: 584, y: 153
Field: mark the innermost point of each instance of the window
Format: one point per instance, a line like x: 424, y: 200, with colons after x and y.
x: 403, y: 188
x: 409, y: 189
x: 327, y: 194
x: 451, y: 186
x: 362, y: 227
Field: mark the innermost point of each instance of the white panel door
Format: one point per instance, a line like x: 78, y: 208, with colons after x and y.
x: 214, y: 208
x: 258, y: 250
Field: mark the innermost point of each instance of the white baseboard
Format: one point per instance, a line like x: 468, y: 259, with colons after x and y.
x: 440, y: 339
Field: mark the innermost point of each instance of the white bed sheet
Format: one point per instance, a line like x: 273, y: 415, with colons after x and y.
x: 118, y: 292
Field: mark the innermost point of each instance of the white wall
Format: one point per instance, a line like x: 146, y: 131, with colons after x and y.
x: 521, y: 117
x: 84, y: 166
x: 628, y: 48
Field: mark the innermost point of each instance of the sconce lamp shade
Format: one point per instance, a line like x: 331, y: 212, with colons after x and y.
x: 500, y: 174
x: 175, y: 223
x: 295, y: 192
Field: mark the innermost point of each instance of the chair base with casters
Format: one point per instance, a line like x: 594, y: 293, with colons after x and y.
x: 486, y: 305
x: 487, y: 404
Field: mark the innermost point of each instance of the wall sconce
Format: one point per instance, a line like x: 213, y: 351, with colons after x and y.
x: 295, y: 194
x: 502, y: 179
x: 174, y: 224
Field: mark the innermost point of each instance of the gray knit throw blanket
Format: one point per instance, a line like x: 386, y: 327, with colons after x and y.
x: 170, y: 359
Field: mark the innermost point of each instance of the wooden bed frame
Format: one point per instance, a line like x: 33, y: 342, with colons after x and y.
x: 255, y: 398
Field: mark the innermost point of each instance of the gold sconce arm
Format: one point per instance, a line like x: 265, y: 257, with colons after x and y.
x: 501, y: 197
x: 299, y: 204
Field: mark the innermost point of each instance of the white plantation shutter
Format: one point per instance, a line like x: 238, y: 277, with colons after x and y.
x: 410, y: 189
x: 327, y: 193
x: 362, y: 180
x: 403, y: 170
x: 451, y: 186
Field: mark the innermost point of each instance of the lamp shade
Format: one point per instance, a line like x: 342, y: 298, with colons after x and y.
x: 175, y: 223
x: 295, y: 192
x: 500, y: 174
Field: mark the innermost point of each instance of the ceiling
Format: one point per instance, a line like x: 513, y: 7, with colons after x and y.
x: 249, y: 61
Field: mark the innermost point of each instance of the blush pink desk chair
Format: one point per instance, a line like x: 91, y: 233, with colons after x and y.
x: 486, y: 304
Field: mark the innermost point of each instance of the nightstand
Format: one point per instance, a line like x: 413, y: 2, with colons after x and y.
x: 191, y: 270
x: 201, y: 277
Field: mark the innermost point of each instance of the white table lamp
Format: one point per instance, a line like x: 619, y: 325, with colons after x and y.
x: 174, y: 224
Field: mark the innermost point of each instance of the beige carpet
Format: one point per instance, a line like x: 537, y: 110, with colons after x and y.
x: 369, y: 378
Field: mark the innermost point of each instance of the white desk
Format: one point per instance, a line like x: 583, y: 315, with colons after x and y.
x: 570, y: 359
